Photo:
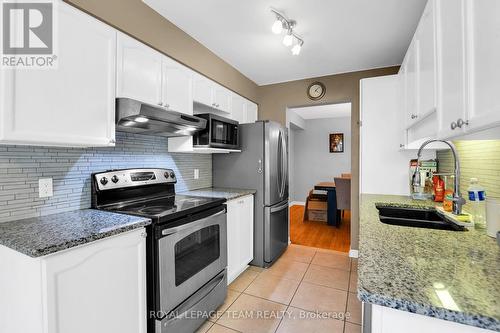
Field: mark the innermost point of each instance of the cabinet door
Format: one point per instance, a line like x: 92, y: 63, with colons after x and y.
x: 247, y: 229
x: 98, y: 287
x: 426, y: 60
x: 203, y: 91
x: 238, y: 109
x: 177, y: 92
x: 250, y: 112
x: 411, y: 84
x: 222, y: 99
x: 451, y: 70
x: 483, y: 63
x: 73, y: 104
x: 233, y: 240
x: 139, y: 71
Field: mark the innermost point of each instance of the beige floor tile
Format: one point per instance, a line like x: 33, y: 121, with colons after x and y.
x: 352, y: 328
x: 253, y: 314
x: 300, y: 321
x: 299, y: 253
x: 354, y: 264
x: 353, y: 282
x: 205, y: 327
x: 220, y: 329
x: 288, y: 269
x: 354, y: 309
x: 243, y: 281
x: 255, y: 268
x: 273, y: 288
x: 312, y: 297
x: 333, y: 260
x: 328, y: 277
x: 230, y: 298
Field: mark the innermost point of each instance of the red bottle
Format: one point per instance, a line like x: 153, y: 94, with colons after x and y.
x: 438, y: 189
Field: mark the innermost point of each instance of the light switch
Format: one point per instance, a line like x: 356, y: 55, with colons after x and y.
x: 196, y: 173
x: 45, y: 188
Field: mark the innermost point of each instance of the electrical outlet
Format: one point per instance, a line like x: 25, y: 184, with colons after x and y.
x: 196, y: 173
x: 45, y: 188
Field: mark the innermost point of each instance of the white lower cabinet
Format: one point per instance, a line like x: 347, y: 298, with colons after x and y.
x: 96, y: 287
x: 240, y: 223
x: 70, y: 105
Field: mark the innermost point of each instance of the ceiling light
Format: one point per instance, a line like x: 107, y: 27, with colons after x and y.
x: 288, y: 39
x: 277, y: 26
x: 297, y: 47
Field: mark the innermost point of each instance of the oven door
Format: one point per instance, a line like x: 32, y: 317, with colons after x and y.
x: 189, y: 256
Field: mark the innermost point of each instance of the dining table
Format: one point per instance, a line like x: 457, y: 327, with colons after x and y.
x: 333, y: 215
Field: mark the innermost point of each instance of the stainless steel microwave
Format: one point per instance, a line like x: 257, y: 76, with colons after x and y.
x: 219, y: 132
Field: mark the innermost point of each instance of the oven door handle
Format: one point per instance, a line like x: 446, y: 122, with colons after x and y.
x: 171, y: 231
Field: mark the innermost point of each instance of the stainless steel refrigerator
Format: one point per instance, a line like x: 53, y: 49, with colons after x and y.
x: 262, y: 165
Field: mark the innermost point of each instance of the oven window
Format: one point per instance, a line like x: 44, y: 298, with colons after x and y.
x: 224, y: 133
x: 195, y: 252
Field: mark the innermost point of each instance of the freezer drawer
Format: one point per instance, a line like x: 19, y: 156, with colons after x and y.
x: 275, y: 230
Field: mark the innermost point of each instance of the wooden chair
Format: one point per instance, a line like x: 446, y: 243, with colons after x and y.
x: 343, y: 190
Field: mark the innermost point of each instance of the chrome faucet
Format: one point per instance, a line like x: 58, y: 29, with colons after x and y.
x: 458, y: 201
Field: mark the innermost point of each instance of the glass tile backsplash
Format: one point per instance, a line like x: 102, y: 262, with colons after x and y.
x: 70, y: 169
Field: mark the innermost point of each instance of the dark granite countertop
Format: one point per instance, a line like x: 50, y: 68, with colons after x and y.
x: 220, y: 192
x: 450, y: 275
x: 45, y: 235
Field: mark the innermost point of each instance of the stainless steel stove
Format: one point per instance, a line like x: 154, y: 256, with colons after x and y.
x: 186, y: 244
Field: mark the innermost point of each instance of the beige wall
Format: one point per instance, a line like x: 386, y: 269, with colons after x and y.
x: 275, y: 98
x: 140, y: 21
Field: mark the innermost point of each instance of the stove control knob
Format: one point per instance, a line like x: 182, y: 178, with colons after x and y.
x: 166, y: 175
x: 115, y: 179
x: 172, y: 174
x: 104, y: 180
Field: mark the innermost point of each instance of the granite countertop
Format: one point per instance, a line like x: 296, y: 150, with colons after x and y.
x: 40, y: 236
x: 451, y: 275
x: 220, y: 192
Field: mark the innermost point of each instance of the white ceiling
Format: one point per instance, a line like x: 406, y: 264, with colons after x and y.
x: 340, y: 35
x: 323, y: 111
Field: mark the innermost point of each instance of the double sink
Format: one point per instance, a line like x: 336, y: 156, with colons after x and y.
x: 418, y: 217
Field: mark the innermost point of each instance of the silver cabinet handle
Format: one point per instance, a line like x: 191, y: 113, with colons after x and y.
x: 112, y: 141
x: 461, y: 122
x: 401, y: 145
x: 166, y: 105
x: 414, y: 116
x: 160, y: 103
x: 453, y: 125
x: 144, y: 235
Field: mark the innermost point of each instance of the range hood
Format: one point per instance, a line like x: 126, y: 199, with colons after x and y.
x: 137, y: 117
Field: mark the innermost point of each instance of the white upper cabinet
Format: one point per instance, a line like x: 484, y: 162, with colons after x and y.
x: 238, y: 108
x: 176, y: 87
x: 211, y: 95
x: 139, y: 71
x: 426, y: 62
x: 251, y: 112
x: 410, y: 85
x: 72, y: 105
x: 222, y: 98
x: 203, y: 90
x: 482, y: 36
x: 451, y: 69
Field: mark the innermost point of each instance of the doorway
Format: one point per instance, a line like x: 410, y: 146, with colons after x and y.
x: 319, y: 151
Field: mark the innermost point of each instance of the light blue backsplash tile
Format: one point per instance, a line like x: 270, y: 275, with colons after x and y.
x: 70, y: 168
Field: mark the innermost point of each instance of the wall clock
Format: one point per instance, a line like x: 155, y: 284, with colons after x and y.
x: 316, y: 90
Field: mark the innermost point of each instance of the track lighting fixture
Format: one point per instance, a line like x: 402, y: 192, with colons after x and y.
x: 282, y: 23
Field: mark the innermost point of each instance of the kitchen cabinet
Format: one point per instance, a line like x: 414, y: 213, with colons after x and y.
x: 139, y: 71
x: 211, y: 95
x: 73, y: 104
x: 96, y: 287
x: 238, y: 108
x: 409, y: 72
x: 240, y: 231
x: 150, y: 77
x: 251, y: 110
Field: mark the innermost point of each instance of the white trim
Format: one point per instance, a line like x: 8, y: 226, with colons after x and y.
x: 353, y: 253
x: 299, y: 203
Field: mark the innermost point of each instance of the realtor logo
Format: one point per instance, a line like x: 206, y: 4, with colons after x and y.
x: 28, y: 34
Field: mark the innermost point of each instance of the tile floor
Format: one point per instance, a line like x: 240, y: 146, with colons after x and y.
x: 306, y: 290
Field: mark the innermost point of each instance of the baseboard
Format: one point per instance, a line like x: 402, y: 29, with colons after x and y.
x: 296, y: 203
x: 353, y: 253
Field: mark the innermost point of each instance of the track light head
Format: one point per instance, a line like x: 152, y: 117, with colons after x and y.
x: 277, y: 26
x: 288, y: 39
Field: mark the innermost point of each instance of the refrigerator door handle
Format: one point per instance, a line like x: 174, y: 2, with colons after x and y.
x: 280, y: 164
x: 279, y: 208
x: 259, y: 169
x: 285, y: 164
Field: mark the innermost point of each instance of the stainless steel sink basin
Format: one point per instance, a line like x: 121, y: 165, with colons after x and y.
x: 415, y: 217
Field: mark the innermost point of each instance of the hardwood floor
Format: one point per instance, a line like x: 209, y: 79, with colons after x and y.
x: 319, y: 234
